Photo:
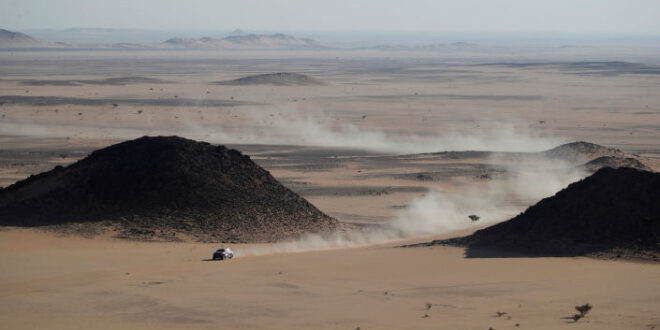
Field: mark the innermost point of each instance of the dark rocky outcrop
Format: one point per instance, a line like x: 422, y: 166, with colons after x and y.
x: 164, y: 187
x: 614, y: 211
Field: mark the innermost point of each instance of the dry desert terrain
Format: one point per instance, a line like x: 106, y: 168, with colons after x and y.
x: 369, y: 146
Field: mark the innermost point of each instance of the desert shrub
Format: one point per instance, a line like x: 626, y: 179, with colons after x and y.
x: 583, y: 309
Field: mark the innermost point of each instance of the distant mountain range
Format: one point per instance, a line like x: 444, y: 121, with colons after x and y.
x: 11, y: 39
x: 249, y: 41
x: 138, y: 39
x: 18, y: 40
x: 452, y: 45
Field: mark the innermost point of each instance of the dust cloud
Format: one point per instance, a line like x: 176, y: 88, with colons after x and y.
x: 437, y: 212
x: 292, y: 127
x: 442, y: 212
x: 295, y: 128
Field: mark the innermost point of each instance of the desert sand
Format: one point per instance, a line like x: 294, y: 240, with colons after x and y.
x: 64, y: 283
x: 361, y: 148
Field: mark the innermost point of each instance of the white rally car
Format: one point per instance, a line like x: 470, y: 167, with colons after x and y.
x: 223, y: 253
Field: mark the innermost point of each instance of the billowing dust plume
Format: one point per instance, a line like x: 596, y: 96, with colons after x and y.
x: 437, y: 212
x: 292, y: 127
x: 442, y: 212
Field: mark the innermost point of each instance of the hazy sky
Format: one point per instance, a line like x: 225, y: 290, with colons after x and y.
x: 579, y: 16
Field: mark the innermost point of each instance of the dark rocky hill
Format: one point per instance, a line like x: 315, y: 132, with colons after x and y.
x: 614, y: 211
x: 277, y: 79
x: 164, y: 187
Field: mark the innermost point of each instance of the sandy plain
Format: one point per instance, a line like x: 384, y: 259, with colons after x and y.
x: 69, y: 283
x: 362, y: 161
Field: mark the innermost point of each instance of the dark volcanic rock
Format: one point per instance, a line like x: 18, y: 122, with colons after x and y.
x: 161, y: 186
x: 612, y: 210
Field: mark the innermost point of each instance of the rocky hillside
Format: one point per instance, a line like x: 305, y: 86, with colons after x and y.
x: 614, y: 211
x: 576, y: 151
x: 164, y: 188
x: 593, y: 157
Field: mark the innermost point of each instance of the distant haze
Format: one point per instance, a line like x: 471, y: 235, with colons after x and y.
x: 525, y: 16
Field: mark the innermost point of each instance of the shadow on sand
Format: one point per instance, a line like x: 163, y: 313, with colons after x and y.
x: 480, y: 252
x: 211, y: 260
x: 580, y: 250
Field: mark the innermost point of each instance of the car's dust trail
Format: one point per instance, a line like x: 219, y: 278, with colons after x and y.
x: 441, y: 212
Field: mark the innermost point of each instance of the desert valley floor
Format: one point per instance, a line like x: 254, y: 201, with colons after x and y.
x: 380, y: 135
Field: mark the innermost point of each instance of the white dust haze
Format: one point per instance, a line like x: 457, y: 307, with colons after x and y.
x: 525, y: 179
x: 442, y: 212
x: 293, y: 127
